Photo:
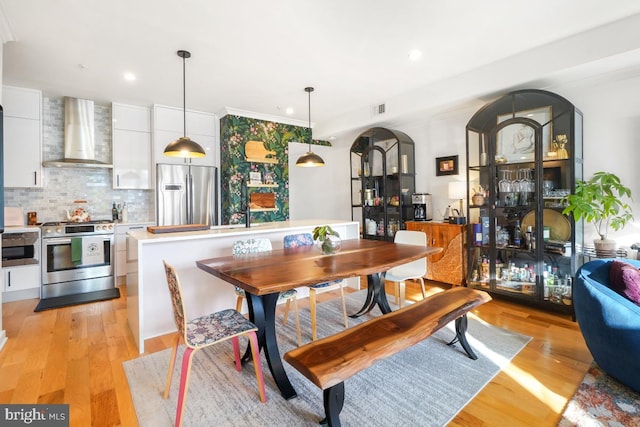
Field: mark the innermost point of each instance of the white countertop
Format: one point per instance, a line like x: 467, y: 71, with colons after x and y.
x: 21, y: 228
x: 230, y: 230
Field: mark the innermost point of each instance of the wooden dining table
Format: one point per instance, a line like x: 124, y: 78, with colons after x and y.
x: 264, y: 275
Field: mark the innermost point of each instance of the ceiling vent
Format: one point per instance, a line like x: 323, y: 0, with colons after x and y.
x: 379, y: 109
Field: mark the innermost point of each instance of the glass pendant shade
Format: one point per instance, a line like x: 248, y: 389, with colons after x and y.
x: 184, y: 146
x: 310, y: 159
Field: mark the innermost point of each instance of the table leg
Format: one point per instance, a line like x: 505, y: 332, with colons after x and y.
x: 262, y: 312
x: 375, y: 295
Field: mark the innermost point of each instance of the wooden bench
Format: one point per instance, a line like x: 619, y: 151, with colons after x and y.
x: 330, y: 361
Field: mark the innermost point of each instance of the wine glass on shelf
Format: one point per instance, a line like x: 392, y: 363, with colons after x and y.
x: 505, y: 186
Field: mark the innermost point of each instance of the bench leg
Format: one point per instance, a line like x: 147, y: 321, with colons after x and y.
x: 333, y: 402
x: 461, y: 329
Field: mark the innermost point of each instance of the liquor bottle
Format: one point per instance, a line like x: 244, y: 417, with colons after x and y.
x: 547, y: 278
x: 125, y: 213
x: 517, y: 235
x: 114, y: 212
x: 527, y: 238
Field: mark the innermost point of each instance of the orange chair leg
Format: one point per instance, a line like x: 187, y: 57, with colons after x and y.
x: 424, y: 294
x: 236, y: 353
x: 402, y: 287
x: 239, y: 303
x: 312, y: 308
x: 298, y: 333
x: 257, y: 365
x: 344, y: 307
x: 172, y: 364
x: 287, y: 306
x: 184, y: 383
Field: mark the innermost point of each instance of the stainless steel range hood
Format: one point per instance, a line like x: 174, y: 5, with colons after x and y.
x: 79, y: 138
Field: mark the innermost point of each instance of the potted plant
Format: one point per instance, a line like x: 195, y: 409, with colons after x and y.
x: 478, y: 196
x: 328, y: 238
x: 600, y: 201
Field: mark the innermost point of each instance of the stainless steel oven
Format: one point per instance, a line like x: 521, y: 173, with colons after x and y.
x: 77, y: 258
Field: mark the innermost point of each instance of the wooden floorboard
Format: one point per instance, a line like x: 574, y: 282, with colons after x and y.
x: 74, y: 355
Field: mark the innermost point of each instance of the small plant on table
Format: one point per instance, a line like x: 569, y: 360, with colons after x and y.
x: 328, y: 238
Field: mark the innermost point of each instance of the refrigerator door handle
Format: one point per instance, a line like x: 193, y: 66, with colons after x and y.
x: 189, y: 191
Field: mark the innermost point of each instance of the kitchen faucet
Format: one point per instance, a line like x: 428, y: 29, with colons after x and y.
x: 244, y: 191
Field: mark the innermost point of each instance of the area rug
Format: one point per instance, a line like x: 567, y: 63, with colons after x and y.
x: 602, y: 401
x: 425, y: 385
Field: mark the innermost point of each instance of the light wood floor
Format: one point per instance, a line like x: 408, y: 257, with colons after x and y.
x: 74, y: 355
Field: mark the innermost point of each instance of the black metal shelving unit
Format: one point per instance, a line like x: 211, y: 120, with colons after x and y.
x: 382, y: 182
x: 516, y: 151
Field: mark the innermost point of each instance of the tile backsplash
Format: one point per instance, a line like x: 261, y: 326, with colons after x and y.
x: 62, y: 186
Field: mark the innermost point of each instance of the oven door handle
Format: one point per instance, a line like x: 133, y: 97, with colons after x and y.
x: 57, y: 240
x: 62, y: 240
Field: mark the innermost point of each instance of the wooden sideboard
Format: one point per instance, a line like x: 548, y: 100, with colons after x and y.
x: 450, y: 265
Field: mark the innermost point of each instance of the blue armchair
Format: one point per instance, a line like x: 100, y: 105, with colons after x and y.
x: 610, y: 323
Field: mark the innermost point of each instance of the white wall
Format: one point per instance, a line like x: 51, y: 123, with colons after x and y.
x: 320, y: 192
x: 611, y: 112
x: 3, y: 334
x: 611, y: 138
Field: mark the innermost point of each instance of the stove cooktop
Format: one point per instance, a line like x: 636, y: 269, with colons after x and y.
x: 58, y: 223
x: 65, y: 228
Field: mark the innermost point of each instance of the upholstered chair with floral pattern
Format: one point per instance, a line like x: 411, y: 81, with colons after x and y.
x: 203, y: 332
x: 306, y: 239
x: 252, y: 246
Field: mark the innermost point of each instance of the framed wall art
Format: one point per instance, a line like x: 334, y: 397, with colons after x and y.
x: 516, y: 143
x: 447, y: 165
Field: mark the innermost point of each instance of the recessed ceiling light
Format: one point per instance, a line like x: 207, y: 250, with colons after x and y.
x: 415, y: 54
x: 130, y: 77
x: 289, y: 110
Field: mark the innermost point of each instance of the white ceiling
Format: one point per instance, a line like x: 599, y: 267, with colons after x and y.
x: 258, y: 56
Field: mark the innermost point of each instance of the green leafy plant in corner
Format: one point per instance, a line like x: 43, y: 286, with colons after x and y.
x: 600, y: 201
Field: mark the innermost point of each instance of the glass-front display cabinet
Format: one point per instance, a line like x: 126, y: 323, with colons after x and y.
x: 382, y: 182
x: 524, y: 156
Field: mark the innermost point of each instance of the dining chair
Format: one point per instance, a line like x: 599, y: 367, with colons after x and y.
x: 203, y: 332
x: 306, y: 239
x: 412, y: 270
x: 249, y: 246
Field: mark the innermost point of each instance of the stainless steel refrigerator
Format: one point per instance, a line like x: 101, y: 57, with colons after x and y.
x: 186, y: 194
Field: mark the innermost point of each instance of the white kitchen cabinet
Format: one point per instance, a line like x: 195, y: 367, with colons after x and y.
x: 22, y: 137
x: 21, y: 277
x: 121, y: 247
x: 21, y: 102
x: 132, y: 165
x: 21, y: 263
x: 131, y: 117
x: 168, y: 125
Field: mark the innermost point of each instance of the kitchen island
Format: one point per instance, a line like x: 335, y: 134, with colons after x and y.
x: 149, y: 309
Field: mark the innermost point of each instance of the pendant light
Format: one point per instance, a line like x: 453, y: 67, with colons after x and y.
x: 310, y: 160
x: 184, y: 146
